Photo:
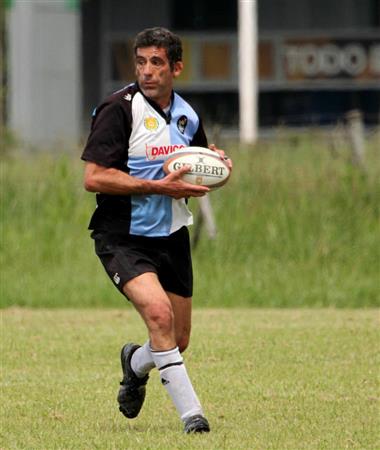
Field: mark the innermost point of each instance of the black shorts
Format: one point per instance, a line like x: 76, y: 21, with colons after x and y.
x: 126, y: 256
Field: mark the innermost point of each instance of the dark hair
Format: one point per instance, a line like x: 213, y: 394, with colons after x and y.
x: 160, y: 37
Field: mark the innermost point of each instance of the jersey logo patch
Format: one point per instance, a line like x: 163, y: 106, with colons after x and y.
x: 151, y: 123
x: 182, y: 123
x: 160, y: 151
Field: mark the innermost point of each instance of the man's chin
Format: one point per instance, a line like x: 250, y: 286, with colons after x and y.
x: 148, y: 91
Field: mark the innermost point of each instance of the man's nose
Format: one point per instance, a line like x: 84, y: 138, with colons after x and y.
x: 147, y: 69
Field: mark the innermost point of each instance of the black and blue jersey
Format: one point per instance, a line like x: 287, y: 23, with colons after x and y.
x: 132, y: 133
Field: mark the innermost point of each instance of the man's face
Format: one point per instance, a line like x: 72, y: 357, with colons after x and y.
x: 154, y: 74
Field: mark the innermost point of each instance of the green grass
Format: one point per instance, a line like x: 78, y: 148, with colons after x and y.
x: 268, y: 379
x: 297, y: 226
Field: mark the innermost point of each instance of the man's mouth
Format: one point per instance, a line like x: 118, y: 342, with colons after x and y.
x: 149, y: 84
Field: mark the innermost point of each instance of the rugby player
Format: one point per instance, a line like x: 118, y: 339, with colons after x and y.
x: 140, y: 223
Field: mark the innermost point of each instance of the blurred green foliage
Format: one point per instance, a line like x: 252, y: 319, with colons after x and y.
x: 297, y: 226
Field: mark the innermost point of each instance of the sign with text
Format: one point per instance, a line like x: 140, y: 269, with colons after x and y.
x: 285, y: 61
x: 326, y: 58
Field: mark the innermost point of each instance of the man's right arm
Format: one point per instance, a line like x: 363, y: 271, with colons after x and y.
x: 108, y: 180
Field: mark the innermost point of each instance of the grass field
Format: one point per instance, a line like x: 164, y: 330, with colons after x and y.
x: 297, y: 226
x: 268, y: 379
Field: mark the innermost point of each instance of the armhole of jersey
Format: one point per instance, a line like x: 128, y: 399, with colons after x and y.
x: 199, y: 138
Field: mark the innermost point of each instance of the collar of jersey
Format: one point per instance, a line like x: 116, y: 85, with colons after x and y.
x: 156, y: 106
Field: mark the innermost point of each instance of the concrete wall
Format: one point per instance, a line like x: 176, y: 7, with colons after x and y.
x: 44, y: 71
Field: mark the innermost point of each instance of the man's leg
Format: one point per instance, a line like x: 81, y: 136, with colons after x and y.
x: 154, y: 306
x: 168, y: 318
x: 142, y: 361
x: 182, y: 319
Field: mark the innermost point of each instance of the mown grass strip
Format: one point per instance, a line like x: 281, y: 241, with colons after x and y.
x: 268, y: 379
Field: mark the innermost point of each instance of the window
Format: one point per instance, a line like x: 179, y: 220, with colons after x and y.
x: 210, y: 15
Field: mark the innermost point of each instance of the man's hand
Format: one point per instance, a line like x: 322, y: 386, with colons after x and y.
x: 222, y: 155
x: 173, y: 186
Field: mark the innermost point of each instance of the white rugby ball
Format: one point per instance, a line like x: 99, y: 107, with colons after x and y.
x: 206, y: 166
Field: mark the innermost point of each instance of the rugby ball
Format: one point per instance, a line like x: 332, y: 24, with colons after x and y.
x: 206, y: 166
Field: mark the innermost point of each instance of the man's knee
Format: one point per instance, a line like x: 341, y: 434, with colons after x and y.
x: 160, y: 317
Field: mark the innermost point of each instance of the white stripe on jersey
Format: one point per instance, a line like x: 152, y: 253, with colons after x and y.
x: 151, y: 142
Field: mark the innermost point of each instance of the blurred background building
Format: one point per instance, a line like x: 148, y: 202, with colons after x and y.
x: 317, y: 59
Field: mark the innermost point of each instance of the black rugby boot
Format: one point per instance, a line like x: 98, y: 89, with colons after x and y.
x: 132, y: 391
x: 196, y: 424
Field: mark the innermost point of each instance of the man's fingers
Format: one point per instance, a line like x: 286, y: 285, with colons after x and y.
x: 179, y: 188
x: 177, y: 174
x: 183, y: 170
x: 219, y: 151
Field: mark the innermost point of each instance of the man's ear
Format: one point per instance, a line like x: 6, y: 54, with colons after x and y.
x: 177, y: 69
